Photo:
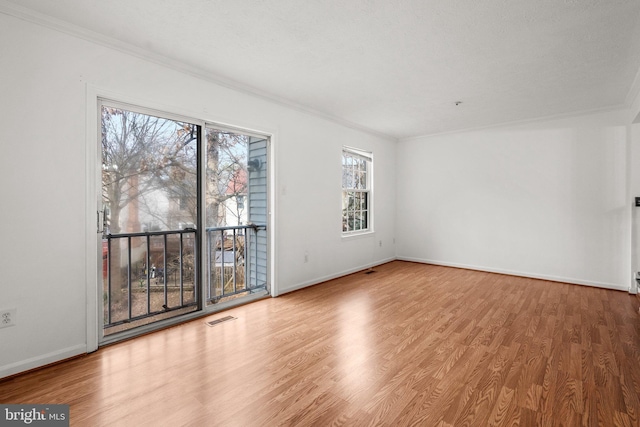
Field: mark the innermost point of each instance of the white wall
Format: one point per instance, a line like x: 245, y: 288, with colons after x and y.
x: 545, y: 199
x: 633, y: 165
x: 634, y: 191
x: 45, y: 76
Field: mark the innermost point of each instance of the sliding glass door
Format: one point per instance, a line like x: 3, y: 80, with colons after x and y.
x: 183, y: 219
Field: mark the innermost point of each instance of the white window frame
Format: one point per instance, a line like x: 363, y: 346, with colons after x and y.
x: 366, y: 156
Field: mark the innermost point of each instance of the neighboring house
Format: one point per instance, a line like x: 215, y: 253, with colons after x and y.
x: 234, y: 205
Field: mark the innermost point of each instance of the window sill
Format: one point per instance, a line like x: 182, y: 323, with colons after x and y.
x: 357, y: 234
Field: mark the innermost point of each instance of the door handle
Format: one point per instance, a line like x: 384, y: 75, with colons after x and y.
x: 101, y: 221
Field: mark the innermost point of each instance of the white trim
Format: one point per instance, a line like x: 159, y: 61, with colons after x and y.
x: 92, y: 252
x: 273, y: 196
x: 634, y: 90
x: 633, y: 287
x: 343, y: 273
x: 201, y: 226
x: 629, y: 213
x: 634, y: 106
x: 567, y: 280
x: 352, y: 235
x: 234, y: 129
x: 40, y: 361
x: 271, y: 215
x: 154, y: 112
x: 357, y: 152
x: 174, y: 112
x: 514, y: 123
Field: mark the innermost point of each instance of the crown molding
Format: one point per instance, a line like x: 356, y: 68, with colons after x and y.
x: 633, y: 99
x: 559, y: 116
x: 634, y: 91
x: 29, y: 15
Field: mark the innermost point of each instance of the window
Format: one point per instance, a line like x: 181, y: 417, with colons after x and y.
x: 356, y: 190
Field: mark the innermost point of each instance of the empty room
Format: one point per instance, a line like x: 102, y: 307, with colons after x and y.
x: 247, y: 213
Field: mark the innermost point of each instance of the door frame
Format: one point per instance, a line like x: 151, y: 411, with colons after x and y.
x: 93, y: 180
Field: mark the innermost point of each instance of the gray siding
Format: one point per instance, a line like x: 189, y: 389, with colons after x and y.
x: 257, y: 200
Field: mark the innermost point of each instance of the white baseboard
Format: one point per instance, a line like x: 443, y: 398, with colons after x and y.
x: 39, y: 361
x: 333, y: 276
x: 569, y: 280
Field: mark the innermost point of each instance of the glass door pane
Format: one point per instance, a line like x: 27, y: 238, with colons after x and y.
x: 149, y: 195
x: 234, y: 228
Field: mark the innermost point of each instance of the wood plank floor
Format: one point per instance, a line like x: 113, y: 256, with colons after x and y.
x: 411, y: 344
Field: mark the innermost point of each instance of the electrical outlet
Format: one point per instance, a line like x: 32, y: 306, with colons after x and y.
x: 7, y: 318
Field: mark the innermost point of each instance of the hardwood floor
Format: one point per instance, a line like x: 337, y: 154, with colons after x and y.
x: 411, y: 344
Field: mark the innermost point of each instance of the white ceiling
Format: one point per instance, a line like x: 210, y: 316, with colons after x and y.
x: 394, y: 67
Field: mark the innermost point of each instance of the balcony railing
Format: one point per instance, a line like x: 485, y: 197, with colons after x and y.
x: 229, y: 263
x: 147, y: 274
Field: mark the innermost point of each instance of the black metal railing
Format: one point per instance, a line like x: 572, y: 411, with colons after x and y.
x: 229, y: 261
x: 148, y: 273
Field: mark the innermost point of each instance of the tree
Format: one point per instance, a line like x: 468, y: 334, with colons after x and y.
x: 226, y: 160
x: 144, y: 156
